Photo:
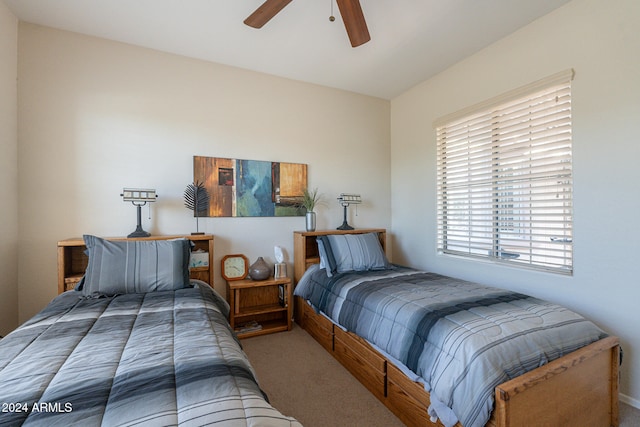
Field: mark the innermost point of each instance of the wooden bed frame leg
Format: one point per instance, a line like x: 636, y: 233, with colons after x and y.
x: 615, y: 386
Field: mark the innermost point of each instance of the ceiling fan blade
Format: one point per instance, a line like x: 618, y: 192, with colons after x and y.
x: 354, y: 22
x: 265, y: 12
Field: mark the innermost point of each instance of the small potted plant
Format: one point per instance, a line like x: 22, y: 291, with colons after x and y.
x: 310, y: 199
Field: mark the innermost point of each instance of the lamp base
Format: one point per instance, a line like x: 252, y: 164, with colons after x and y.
x: 345, y: 226
x: 139, y: 233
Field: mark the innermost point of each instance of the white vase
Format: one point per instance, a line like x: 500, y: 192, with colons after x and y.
x: 311, y: 221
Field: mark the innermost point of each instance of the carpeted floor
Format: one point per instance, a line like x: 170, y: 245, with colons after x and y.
x: 304, y: 381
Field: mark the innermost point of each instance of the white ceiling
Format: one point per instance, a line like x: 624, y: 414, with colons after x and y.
x: 411, y: 40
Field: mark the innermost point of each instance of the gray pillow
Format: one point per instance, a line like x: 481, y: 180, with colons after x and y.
x: 135, y: 266
x: 357, y: 252
x: 327, y: 261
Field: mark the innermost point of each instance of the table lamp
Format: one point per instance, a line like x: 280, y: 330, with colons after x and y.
x: 139, y: 197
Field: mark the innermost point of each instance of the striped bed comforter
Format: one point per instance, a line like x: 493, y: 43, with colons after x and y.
x: 155, y: 359
x: 460, y: 339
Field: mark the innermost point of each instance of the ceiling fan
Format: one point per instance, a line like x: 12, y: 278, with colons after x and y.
x: 350, y: 10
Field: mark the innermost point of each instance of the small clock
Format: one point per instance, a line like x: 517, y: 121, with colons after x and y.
x: 235, y: 267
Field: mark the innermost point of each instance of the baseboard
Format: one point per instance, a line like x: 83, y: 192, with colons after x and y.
x: 629, y: 400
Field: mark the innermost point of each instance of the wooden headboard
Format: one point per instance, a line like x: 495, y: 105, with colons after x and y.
x: 305, y: 247
x: 72, y: 259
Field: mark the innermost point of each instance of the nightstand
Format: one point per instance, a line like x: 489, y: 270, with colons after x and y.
x: 260, y: 307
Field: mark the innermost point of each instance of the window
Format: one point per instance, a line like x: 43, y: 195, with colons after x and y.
x: 505, y: 178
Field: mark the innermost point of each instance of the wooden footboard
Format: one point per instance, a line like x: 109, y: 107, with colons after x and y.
x: 578, y: 389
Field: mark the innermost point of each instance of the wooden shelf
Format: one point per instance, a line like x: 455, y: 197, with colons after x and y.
x: 260, y: 309
x: 266, y: 302
x: 268, y: 327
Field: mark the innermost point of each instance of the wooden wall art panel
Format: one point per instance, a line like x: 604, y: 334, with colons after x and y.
x: 248, y: 188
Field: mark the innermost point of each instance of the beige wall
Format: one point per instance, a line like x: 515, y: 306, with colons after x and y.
x: 600, y: 40
x: 8, y: 170
x: 96, y: 116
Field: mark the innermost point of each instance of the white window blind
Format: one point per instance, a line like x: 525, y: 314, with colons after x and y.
x: 505, y: 178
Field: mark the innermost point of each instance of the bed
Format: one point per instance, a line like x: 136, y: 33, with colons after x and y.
x: 438, y: 350
x: 136, y: 343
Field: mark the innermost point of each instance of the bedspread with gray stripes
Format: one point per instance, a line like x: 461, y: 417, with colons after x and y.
x: 155, y: 359
x: 460, y: 338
